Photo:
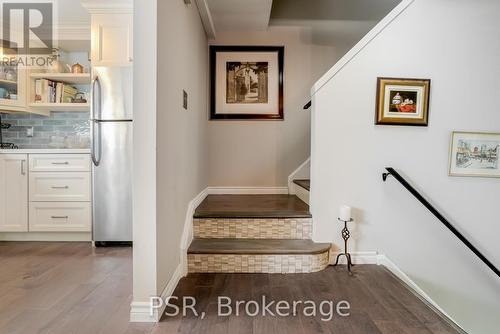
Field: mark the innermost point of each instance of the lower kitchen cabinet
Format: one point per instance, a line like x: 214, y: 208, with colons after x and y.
x: 45, y: 193
x: 59, y: 186
x: 13, y: 193
x: 60, y: 217
x: 59, y: 193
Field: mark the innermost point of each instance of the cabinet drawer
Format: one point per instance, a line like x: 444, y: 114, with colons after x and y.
x: 59, y: 163
x: 60, y: 217
x: 59, y: 187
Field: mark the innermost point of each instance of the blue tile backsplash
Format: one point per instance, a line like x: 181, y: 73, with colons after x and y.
x: 61, y: 129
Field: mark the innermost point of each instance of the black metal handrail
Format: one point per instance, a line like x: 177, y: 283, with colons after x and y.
x: 435, y: 212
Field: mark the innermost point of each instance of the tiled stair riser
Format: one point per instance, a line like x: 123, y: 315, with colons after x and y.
x: 248, y: 263
x: 261, y: 228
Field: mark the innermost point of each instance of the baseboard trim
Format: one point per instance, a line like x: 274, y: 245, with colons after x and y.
x: 394, y: 269
x: 141, y: 311
x: 246, y: 190
x: 369, y: 257
x: 301, y: 173
x: 47, y: 236
x: 301, y: 193
x: 372, y: 257
x: 187, y: 232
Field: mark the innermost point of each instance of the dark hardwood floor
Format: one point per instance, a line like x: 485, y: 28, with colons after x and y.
x: 72, y: 288
x: 252, y: 206
x: 379, y: 303
x: 65, y: 288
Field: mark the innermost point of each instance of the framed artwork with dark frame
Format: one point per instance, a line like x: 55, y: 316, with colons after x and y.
x: 246, y: 82
x: 402, y: 101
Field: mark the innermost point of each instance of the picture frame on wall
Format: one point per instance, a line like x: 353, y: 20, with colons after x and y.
x: 246, y: 82
x: 402, y: 101
x: 474, y: 154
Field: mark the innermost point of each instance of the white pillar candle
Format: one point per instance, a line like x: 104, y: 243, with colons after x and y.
x: 345, y: 213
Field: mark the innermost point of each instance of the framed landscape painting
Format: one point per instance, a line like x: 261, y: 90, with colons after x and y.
x: 474, y: 154
x: 246, y: 82
x: 402, y: 101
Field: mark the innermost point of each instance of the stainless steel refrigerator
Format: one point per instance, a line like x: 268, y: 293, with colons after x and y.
x: 111, y: 146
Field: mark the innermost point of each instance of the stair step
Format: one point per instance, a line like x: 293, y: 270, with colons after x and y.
x: 257, y: 256
x: 256, y: 246
x: 306, y: 184
x: 253, y: 228
x: 252, y: 206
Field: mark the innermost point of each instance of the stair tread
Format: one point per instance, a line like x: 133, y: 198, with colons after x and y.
x: 252, y: 206
x: 256, y: 246
x: 305, y: 183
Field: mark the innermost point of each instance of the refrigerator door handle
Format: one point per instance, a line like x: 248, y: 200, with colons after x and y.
x: 95, y: 116
x: 96, y: 104
x: 96, y: 142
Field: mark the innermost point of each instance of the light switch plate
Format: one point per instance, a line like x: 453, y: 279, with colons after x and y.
x: 30, y: 131
x: 184, y: 99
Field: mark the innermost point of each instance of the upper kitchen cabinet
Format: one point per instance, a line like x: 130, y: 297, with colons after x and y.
x: 12, y: 87
x: 13, y: 193
x: 112, y: 43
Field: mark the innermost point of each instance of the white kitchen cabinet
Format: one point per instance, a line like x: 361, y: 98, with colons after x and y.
x: 45, y: 194
x: 59, y: 163
x: 13, y: 89
x: 13, y: 193
x: 59, y: 187
x: 60, y: 193
x: 112, y: 39
x: 60, y: 217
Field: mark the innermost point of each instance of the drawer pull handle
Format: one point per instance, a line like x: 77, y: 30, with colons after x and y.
x: 61, y: 163
x: 64, y: 187
x: 59, y: 217
x: 23, y: 171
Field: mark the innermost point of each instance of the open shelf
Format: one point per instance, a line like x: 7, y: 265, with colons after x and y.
x: 61, y: 106
x: 8, y: 82
x: 69, y: 78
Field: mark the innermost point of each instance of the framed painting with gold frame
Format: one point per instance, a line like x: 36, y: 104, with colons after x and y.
x: 402, y: 101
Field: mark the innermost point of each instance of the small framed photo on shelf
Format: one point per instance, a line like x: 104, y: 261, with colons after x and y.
x: 246, y: 82
x: 402, y: 101
x: 474, y: 154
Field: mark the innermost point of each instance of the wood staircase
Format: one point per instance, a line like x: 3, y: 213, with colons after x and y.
x: 302, y: 187
x: 255, y: 234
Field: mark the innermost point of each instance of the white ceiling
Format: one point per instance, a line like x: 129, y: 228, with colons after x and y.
x: 350, y: 10
x: 240, y: 15
x: 73, y: 22
x: 71, y: 12
x: 330, y: 20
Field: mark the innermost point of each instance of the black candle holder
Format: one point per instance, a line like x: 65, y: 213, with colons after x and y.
x: 345, y: 235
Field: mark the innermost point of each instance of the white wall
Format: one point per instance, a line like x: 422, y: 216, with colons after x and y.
x: 144, y: 144
x: 456, y: 44
x: 170, y: 54
x: 264, y: 153
x: 181, y: 136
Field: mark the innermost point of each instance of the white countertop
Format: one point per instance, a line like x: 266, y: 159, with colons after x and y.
x: 46, y: 151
